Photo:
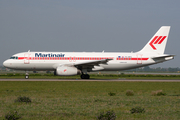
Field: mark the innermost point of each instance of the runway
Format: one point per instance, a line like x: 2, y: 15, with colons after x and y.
x: 89, y: 80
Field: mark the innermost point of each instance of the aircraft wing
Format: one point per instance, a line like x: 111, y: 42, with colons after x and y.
x: 92, y: 64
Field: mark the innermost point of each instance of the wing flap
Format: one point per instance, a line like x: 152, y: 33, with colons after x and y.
x: 95, y: 62
x: 91, y: 64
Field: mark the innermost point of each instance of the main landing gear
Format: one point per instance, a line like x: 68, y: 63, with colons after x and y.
x: 85, y: 76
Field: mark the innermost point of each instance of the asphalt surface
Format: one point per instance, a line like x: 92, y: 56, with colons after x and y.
x: 103, y: 80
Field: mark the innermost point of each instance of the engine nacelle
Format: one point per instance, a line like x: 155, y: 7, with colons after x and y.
x: 67, y: 71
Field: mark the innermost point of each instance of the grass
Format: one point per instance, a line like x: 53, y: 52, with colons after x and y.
x: 129, y: 92
x: 86, y: 100
x: 92, y: 76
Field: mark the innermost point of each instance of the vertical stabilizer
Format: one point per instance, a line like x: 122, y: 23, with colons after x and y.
x: 158, y: 42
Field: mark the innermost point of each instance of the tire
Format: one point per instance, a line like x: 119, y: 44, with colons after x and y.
x: 82, y: 76
x: 85, y: 76
x: 27, y: 77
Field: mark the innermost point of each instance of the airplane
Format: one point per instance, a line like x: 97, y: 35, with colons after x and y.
x: 75, y: 63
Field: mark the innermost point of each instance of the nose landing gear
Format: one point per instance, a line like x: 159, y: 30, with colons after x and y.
x: 27, y: 75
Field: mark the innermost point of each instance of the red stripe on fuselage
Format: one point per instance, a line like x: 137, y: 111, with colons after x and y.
x: 78, y: 58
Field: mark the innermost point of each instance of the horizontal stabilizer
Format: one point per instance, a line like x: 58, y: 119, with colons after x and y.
x: 163, y: 57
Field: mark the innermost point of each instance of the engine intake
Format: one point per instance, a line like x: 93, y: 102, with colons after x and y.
x: 67, y: 71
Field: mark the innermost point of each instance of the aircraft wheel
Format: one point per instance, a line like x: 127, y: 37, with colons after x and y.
x: 82, y: 76
x: 27, y: 76
x: 85, y: 76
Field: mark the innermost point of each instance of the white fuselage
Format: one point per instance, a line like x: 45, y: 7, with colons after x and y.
x: 51, y: 60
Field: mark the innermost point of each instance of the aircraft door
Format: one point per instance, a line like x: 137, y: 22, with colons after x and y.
x: 26, y: 58
x: 139, y: 58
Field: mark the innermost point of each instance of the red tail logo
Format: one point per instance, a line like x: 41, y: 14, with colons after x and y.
x: 157, y: 40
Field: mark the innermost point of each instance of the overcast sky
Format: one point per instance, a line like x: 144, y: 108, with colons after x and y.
x: 87, y: 25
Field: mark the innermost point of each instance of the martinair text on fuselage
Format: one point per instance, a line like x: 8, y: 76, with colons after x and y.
x: 49, y: 55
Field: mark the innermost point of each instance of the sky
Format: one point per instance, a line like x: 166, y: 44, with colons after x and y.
x: 87, y: 26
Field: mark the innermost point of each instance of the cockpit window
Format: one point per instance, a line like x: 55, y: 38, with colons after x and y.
x: 14, y: 57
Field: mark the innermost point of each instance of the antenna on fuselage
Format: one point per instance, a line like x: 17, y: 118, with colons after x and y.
x: 28, y: 50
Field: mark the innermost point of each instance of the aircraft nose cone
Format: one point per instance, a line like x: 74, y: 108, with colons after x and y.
x: 6, y: 63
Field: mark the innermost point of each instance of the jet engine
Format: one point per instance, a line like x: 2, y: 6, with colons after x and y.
x: 67, y: 71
